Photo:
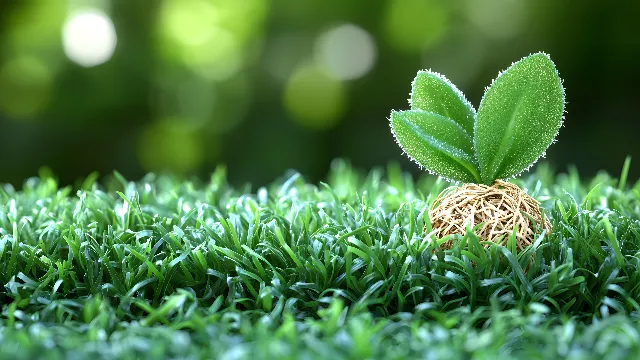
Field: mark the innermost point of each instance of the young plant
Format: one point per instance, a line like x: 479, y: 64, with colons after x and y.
x: 518, y: 118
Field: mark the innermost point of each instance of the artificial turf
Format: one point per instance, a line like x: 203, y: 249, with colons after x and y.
x: 184, y: 269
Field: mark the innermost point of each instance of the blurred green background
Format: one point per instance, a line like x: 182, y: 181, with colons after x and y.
x: 269, y: 85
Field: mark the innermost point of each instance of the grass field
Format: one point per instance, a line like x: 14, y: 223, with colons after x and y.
x: 168, y: 268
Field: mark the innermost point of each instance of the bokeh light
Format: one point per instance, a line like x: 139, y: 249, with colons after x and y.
x: 245, y: 19
x: 413, y: 25
x: 89, y: 37
x: 347, y: 52
x: 216, y: 107
x: 25, y: 87
x: 314, y: 99
x: 192, y: 35
x: 498, y: 18
x: 171, y: 145
x: 209, y: 36
x: 305, y: 73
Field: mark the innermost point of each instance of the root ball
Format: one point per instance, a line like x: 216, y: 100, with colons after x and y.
x: 500, y: 206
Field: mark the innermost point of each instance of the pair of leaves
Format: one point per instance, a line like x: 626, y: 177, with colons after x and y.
x: 518, y: 118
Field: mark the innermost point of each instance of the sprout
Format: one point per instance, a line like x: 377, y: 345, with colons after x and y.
x: 518, y: 118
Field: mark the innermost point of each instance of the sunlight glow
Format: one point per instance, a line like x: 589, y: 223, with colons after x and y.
x: 314, y: 99
x: 89, y: 38
x: 347, y: 52
x: 499, y: 19
x: 415, y: 25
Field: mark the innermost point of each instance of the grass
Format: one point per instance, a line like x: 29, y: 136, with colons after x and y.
x: 168, y: 268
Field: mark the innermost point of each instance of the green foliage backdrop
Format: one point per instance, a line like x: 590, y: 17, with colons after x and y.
x: 267, y: 85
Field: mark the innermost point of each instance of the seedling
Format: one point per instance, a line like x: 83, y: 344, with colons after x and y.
x: 518, y: 118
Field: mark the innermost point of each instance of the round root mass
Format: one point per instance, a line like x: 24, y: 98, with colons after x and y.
x: 500, y: 206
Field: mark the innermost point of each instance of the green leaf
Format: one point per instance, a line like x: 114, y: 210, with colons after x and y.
x: 437, y: 143
x: 434, y: 93
x: 518, y: 118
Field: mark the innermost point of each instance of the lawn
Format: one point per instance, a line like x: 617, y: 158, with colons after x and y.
x: 344, y: 269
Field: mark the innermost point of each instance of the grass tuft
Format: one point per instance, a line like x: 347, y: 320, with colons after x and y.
x: 169, y: 268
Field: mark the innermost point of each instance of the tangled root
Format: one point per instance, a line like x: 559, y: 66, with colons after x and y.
x: 500, y: 206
